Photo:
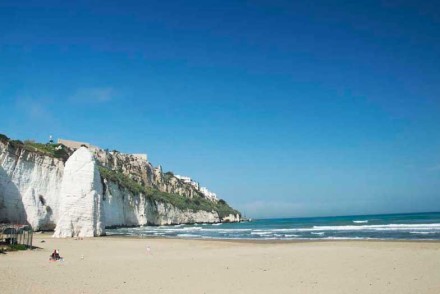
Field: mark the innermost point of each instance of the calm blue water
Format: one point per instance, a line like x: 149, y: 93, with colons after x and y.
x: 420, y: 226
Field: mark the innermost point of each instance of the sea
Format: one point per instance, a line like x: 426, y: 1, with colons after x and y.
x: 412, y: 226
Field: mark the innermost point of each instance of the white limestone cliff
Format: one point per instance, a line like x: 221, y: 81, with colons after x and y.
x: 121, y: 207
x: 68, y: 193
x: 29, y: 187
x: 80, y: 198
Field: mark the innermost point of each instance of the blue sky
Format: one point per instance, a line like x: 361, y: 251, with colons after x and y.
x: 284, y: 108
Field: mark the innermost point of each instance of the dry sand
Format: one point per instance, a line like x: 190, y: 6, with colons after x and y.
x: 122, y: 265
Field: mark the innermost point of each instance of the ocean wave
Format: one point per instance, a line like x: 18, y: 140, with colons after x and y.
x: 348, y: 238
x: 261, y: 233
x: 389, y: 227
x: 193, y: 228
x: 360, y: 221
x: 223, y: 231
x: 317, y: 233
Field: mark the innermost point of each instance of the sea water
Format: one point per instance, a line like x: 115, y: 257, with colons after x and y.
x: 414, y: 226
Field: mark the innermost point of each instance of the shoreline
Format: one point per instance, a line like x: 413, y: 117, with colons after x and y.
x: 250, y: 241
x: 246, y: 241
x: 279, y: 241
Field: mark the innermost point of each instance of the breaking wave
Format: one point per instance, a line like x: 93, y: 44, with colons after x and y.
x: 360, y: 221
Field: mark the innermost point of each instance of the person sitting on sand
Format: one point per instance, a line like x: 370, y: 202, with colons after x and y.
x: 55, y: 255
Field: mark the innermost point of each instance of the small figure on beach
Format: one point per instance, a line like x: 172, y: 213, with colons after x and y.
x: 55, y: 255
x: 148, y: 250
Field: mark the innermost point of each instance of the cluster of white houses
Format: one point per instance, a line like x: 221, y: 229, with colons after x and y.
x: 208, y: 194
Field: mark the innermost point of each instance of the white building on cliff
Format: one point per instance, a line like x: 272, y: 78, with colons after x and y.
x: 188, y: 180
x: 208, y: 194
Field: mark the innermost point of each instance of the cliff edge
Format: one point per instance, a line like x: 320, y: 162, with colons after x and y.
x: 80, y: 191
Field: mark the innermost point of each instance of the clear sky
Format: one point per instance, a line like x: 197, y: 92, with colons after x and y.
x: 284, y: 108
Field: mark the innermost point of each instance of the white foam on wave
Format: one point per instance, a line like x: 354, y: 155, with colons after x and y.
x: 348, y: 238
x: 318, y: 233
x: 171, y: 230
x: 262, y: 233
x: 389, y: 227
x: 188, y: 235
x: 194, y: 228
x: 217, y: 224
x: 360, y: 221
x: 228, y: 231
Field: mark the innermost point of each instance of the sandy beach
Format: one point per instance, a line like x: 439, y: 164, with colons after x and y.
x: 124, y: 265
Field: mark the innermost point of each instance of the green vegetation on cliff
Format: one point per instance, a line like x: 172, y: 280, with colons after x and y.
x: 4, y: 138
x: 194, y: 204
x: 52, y: 150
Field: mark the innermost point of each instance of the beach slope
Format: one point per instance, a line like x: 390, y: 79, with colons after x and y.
x: 125, y: 265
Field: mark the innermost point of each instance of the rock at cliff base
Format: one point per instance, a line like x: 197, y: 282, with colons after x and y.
x: 80, y: 200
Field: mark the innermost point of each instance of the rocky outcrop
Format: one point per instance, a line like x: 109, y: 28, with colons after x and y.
x: 42, y: 186
x: 143, y: 172
x: 80, y: 198
x: 231, y: 218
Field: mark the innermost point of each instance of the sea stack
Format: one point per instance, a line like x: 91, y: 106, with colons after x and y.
x: 80, y: 198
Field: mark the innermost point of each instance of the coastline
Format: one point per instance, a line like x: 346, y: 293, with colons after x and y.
x: 122, y: 264
x: 278, y: 241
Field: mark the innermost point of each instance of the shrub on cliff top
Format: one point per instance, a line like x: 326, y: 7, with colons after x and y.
x: 16, y: 143
x: 4, y: 138
x: 122, y: 180
x: 52, y: 150
x: 168, y: 175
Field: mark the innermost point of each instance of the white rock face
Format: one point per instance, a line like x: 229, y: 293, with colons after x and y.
x: 231, y: 218
x: 29, y: 187
x: 122, y: 208
x: 80, y: 198
x: 165, y: 214
x: 45, y: 192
